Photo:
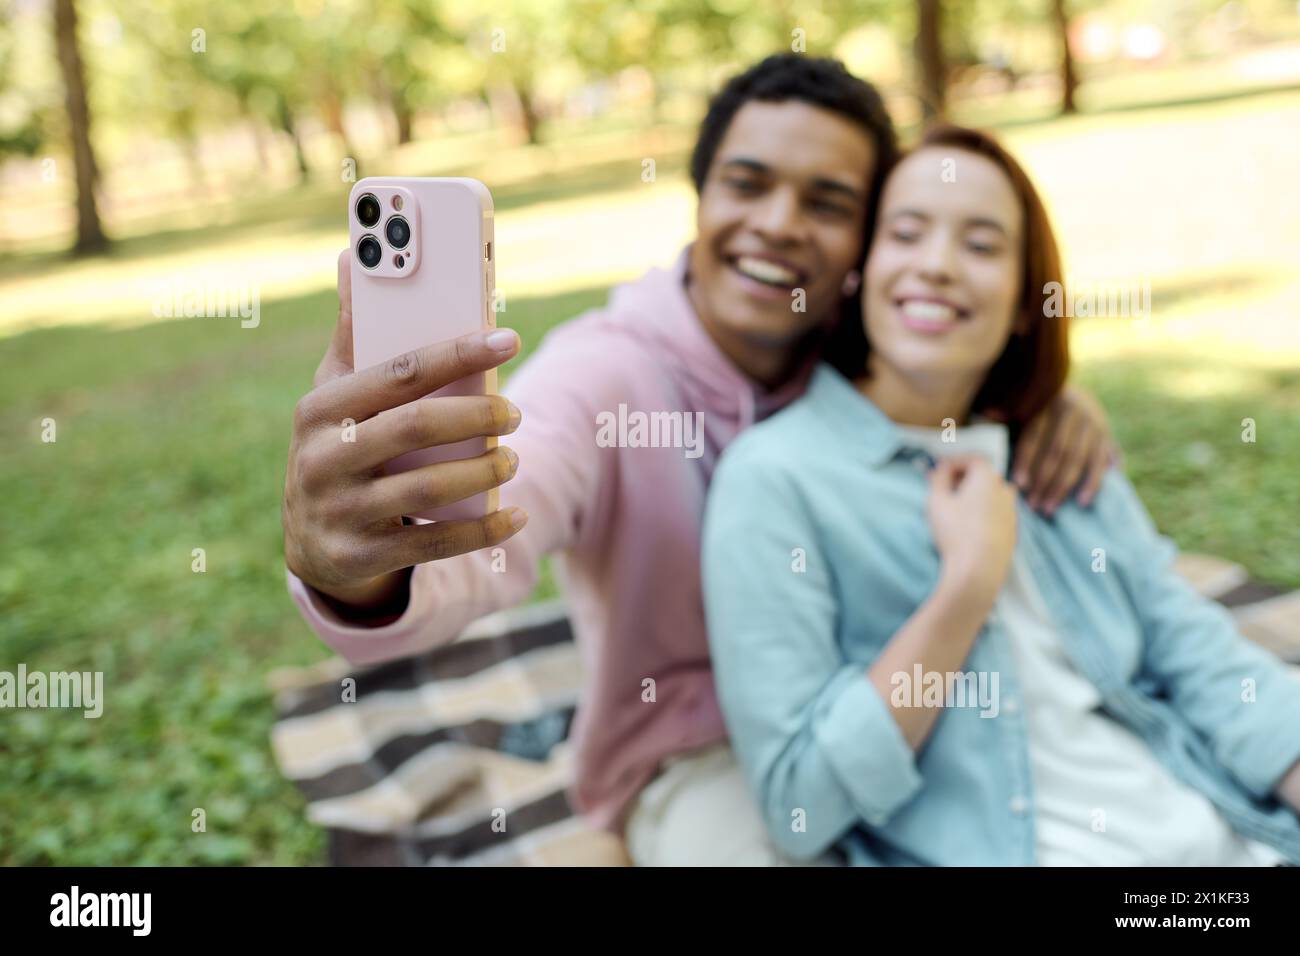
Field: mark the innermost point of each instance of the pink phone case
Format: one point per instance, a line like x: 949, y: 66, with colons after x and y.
x: 439, y: 289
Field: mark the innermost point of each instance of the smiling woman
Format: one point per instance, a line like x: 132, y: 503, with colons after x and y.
x: 1124, y: 734
x: 958, y: 279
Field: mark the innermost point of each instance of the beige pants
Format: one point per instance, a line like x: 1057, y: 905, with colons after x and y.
x: 699, y: 812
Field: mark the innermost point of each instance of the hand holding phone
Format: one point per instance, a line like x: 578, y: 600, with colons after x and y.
x: 421, y: 274
x: 343, y: 500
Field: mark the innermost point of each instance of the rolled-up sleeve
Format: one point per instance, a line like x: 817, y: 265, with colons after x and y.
x: 818, y: 744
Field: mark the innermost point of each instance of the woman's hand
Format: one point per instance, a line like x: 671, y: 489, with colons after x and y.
x: 972, y: 514
x: 1067, y: 446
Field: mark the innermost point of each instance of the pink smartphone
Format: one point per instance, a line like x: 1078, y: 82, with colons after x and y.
x: 422, y: 272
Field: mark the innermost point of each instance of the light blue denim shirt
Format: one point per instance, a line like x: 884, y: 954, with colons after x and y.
x: 817, y: 551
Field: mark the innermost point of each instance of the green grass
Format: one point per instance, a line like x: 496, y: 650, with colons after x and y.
x: 172, y: 436
x: 1203, y: 485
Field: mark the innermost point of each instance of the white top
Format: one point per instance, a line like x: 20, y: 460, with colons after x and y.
x: 1102, y: 798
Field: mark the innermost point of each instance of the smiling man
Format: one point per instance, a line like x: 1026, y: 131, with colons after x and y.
x: 788, y: 166
x: 783, y: 206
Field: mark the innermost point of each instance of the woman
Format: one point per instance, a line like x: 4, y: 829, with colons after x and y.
x: 944, y: 677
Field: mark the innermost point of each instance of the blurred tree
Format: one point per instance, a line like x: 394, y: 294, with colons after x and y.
x: 22, y: 123
x: 1069, y: 80
x: 257, y: 56
x: 405, y: 42
x: 930, y: 61
x: 90, y: 233
x: 606, y: 39
x: 514, y: 46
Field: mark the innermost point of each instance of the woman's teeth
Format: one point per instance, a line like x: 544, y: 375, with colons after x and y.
x: 765, y: 271
x: 928, y: 311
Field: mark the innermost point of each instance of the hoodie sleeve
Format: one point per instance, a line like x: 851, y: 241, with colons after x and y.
x: 557, y: 478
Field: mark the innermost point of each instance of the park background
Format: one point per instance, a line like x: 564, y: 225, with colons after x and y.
x: 145, y: 147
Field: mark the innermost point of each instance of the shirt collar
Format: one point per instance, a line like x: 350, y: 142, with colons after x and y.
x: 982, y: 437
x: 879, y: 439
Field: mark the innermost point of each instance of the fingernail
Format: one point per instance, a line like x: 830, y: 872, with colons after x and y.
x: 512, y: 458
x: 516, y: 416
x: 518, y: 518
x: 1021, y: 478
x: 502, y: 340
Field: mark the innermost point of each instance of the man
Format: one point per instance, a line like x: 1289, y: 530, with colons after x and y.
x: 789, y: 162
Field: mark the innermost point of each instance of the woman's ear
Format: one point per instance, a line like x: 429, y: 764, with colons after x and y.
x: 852, y: 279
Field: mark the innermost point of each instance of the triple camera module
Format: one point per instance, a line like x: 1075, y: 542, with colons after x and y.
x: 396, y: 230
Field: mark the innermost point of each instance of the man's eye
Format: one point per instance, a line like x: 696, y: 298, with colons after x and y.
x: 829, y: 208
x: 745, y: 186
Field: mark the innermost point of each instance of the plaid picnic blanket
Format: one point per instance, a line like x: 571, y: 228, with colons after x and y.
x: 460, y: 757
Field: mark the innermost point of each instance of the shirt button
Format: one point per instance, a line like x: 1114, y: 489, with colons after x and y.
x: 1019, y: 805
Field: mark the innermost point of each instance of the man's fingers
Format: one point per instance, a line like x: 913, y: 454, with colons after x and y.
x: 436, y: 485
x: 409, y: 376
x: 419, y: 543
x: 1097, y: 468
x: 338, y: 356
x: 1027, y: 448
x: 1060, y: 465
x: 428, y: 422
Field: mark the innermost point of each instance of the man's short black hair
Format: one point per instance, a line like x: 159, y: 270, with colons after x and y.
x: 819, y: 81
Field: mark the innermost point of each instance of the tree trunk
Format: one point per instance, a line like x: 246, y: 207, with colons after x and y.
x: 90, y: 233
x: 289, y: 126
x: 929, y: 56
x: 332, y: 109
x: 1069, y: 80
x: 402, y: 112
x: 512, y: 108
x: 528, y: 115
x: 189, y: 143
x: 186, y: 137
x: 258, y: 132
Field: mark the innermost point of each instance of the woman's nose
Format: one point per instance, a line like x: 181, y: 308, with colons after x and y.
x: 937, y: 257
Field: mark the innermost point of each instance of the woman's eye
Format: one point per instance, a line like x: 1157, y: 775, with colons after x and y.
x: 904, y: 235
x: 982, y: 248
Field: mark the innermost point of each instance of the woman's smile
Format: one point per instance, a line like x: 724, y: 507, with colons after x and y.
x: 929, y: 314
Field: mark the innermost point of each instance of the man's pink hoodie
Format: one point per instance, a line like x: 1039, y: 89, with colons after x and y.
x: 625, y: 522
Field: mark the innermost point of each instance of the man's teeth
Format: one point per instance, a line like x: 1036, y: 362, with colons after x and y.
x: 929, y: 311
x: 765, y: 271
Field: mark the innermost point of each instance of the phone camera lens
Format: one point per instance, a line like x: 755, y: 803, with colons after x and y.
x: 369, y: 251
x: 368, y: 210
x: 398, y: 232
